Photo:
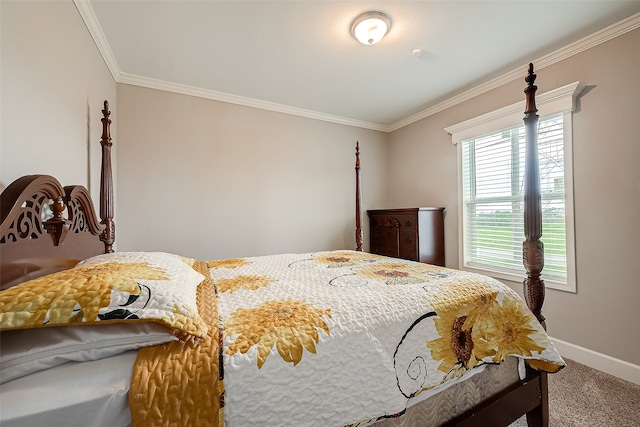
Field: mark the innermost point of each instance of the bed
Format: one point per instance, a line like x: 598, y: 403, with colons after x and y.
x: 95, y: 337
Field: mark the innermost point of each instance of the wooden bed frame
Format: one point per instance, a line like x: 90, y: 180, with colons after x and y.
x: 35, y: 236
x: 34, y: 243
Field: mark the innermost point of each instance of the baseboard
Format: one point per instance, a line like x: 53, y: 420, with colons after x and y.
x: 616, y: 367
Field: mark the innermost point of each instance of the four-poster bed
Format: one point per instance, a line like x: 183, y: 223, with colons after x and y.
x: 327, y: 338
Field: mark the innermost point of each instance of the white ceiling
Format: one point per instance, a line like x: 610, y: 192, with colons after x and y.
x: 300, y: 54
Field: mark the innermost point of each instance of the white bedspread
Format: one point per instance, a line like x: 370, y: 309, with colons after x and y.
x: 335, y: 338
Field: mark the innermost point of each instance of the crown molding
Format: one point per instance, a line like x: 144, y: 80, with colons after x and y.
x: 91, y: 21
x: 606, y: 34
x: 151, y: 83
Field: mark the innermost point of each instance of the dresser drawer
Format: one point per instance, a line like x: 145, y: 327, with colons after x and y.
x: 407, y: 222
x: 415, y: 234
x: 408, y: 253
x: 384, y: 241
x: 408, y: 239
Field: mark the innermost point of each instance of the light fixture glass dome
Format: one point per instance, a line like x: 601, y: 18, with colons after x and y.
x: 370, y: 27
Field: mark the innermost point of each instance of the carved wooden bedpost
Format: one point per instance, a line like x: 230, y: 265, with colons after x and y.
x: 106, y: 184
x: 359, y: 235
x: 532, y: 247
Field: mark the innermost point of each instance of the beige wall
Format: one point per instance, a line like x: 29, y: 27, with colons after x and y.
x: 210, y: 180
x: 603, y: 316
x: 53, y: 84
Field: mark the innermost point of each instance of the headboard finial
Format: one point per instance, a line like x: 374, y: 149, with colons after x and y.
x: 57, y: 226
x: 531, y: 77
x: 530, y: 92
x: 105, y: 111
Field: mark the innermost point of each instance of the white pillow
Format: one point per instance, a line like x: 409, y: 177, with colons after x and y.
x: 25, y: 351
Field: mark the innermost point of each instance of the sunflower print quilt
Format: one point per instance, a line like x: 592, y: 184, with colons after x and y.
x: 337, y: 338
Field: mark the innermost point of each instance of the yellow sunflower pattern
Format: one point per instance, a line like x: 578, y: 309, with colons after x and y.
x: 228, y: 263
x: 506, y: 330
x: 455, y: 347
x: 290, y: 325
x: 478, y: 324
x: 466, y: 292
x: 247, y: 282
x: 400, y: 273
x: 339, y: 259
x: 54, y: 298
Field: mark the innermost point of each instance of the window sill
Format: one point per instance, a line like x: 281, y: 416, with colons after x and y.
x: 550, y: 282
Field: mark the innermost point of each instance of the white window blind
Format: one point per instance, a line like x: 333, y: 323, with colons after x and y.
x: 490, y: 151
x: 492, y: 197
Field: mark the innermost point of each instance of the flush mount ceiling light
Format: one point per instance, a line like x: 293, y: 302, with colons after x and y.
x: 370, y: 27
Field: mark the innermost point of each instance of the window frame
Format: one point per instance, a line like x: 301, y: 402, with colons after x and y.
x: 561, y: 100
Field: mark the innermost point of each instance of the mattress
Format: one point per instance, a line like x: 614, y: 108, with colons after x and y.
x: 88, y: 394
x: 458, y: 398
x: 96, y: 394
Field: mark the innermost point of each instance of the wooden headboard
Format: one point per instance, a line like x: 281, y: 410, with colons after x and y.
x: 47, y: 227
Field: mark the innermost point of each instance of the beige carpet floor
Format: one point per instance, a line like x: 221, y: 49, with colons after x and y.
x: 580, y: 396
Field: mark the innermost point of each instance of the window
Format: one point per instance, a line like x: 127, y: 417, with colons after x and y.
x: 491, y: 168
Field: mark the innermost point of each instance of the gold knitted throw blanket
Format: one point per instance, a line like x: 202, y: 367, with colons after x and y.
x: 179, y: 383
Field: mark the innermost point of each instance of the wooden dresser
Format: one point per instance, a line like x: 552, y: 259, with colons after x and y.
x: 415, y: 234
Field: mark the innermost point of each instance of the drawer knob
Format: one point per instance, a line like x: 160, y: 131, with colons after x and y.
x: 408, y: 223
x: 408, y: 239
